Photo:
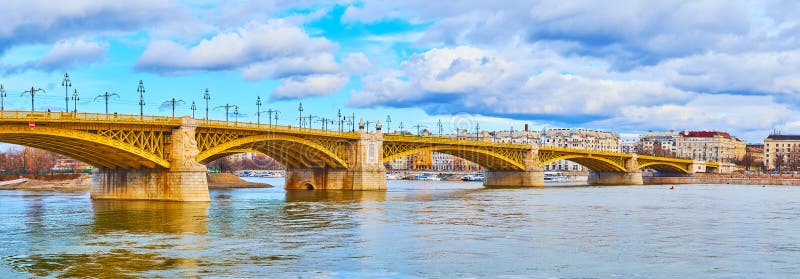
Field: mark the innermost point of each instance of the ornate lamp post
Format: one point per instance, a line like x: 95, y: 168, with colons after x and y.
x: 194, y: 108
x: 106, y: 96
x: 172, y: 102
x: 33, y: 92
x: 300, y: 109
x: 207, y: 97
x: 67, y: 84
x: 75, y: 99
x: 140, y: 90
x: 227, y: 108
x: 258, y: 111
x: 2, y: 98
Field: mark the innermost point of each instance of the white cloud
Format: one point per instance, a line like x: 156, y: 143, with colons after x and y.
x: 775, y: 72
x: 69, y: 53
x: 63, y: 55
x: 250, y: 44
x: 476, y: 80
x: 309, y: 86
x: 357, y: 63
x: 42, y: 21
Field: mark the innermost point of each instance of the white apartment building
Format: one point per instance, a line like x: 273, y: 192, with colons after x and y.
x: 579, y: 139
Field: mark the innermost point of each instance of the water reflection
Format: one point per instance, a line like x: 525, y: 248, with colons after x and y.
x: 334, y: 196
x: 150, y: 217
x: 126, y: 239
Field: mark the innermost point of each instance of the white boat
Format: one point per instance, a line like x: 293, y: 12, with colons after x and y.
x: 393, y: 176
x: 554, y: 177
x: 477, y: 177
x: 427, y: 177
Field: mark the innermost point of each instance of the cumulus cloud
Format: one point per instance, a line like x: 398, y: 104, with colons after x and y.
x: 467, y: 78
x: 309, y: 86
x: 63, y: 55
x: 277, y: 49
x: 255, y: 42
x: 769, y: 72
x: 41, y: 21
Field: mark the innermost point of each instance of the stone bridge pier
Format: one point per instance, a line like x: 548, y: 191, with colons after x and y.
x: 184, y: 180
x: 631, y: 176
x: 531, y: 176
x: 365, y: 170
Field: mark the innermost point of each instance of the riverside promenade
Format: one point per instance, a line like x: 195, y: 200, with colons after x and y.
x: 727, y: 178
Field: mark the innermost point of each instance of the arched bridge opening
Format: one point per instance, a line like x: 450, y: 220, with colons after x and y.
x: 94, y: 147
x: 511, y: 160
x: 290, y: 151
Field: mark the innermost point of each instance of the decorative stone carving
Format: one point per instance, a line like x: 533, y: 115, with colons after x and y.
x: 184, y: 147
x: 378, y: 125
x: 361, y: 125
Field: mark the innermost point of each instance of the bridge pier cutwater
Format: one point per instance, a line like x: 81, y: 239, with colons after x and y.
x: 184, y: 180
x: 365, y: 170
x: 632, y: 175
x: 531, y: 176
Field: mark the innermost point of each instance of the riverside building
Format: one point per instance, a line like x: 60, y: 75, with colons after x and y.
x: 579, y: 139
x: 778, y: 150
x: 710, y: 146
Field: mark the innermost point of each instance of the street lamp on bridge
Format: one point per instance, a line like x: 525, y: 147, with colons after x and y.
x: 67, y: 84
x: 106, y: 96
x: 258, y: 111
x: 33, y: 92
x: 339, y: 118
x: 2, y: 98
x: 227, y: 108
x: 172, y: 103
x: 207, y: 97
x: 194, y: 108
x: 75, y: 99
x: 140, y: 90
x: 300, y: 109
x: 269, y: 116
x: 388, y: 123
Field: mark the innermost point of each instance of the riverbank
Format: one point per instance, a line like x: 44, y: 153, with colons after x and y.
x: 743, y: 179
x: 82, y: 183
x: 229, y: 181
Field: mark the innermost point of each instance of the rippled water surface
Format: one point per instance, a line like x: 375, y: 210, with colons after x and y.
x: 415, y: 229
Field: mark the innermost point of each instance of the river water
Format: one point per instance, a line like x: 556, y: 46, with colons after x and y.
x: 413, y: 230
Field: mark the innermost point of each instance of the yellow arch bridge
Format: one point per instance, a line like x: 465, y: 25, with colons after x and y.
x: 162, y: 158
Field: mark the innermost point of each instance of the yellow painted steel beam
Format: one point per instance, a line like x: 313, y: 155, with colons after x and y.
x: 598, y: 163
x: 668, y: 165
x: 270, y: 137
x: 80, y: 136
x: 456, y: 149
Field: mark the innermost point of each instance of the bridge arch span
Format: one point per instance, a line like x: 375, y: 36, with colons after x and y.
x: 595, y: 163
x: 667, y: 167
x: 93, y: 149
x: 481, y: 156
x: 288, y: 150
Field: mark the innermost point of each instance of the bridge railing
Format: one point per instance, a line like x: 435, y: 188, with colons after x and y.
x: 274, y: 128
x: 450, y: 141
x: 84, y: 117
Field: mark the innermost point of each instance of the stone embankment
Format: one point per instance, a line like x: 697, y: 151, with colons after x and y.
x: 732, y: 178
x: 228, y: 180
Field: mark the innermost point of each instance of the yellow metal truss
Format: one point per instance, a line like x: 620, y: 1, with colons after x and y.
x: 132, y: 141
x: 487, y: 156
x: 289, y: 150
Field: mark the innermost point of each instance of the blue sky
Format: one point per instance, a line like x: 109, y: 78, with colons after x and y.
x: 627, y: 67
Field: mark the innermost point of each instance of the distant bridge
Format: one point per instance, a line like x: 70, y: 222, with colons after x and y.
x: 154, y: 157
